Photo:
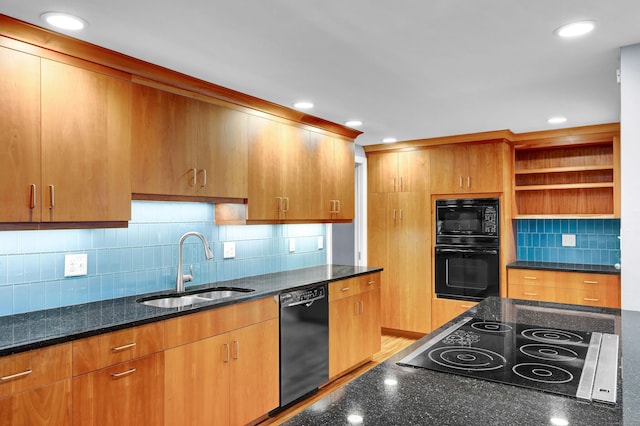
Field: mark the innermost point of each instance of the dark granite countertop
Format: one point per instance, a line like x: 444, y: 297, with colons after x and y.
x: 396, y: 395
x: 566, y: 267
x: 22, y: 332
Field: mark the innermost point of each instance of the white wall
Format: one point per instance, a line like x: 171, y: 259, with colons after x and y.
x: 630, y: 168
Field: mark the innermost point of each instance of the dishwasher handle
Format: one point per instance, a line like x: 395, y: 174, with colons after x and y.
x: 307, y: 302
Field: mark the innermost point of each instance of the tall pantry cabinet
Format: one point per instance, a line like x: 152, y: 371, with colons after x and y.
x: 399, y: 224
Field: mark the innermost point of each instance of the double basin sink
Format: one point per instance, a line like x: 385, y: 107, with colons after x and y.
x: 178, y: 300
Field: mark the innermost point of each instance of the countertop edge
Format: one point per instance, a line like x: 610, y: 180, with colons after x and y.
x: 565, y: 267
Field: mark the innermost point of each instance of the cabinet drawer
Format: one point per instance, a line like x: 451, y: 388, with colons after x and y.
x: 531, y: 277
x: 610, y: 299
x: 530, y: 292
x: 588, y: 281
x: 107, y: 349
x: 190, y: 328
x: 356, y: 285
x: 34, y: 368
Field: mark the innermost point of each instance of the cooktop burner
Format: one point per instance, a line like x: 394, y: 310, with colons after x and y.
x: 550, y: 360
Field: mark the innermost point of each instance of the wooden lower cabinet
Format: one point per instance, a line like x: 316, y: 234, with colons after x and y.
x: 578, y: 288
x: 130, y: 393
x: 46, y: 405
x: 229, y: 379
x: 354, y: 324
x: 444, y: 310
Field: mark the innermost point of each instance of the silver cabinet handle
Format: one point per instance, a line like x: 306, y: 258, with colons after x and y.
x: 339, y: 206
x: 52, y: 195
x: 400, y: 214
x: 401, y: 184
x: 15, y: 376
x: 123, y: 347
x: 333, y: 206
x: 285, y: 204
x: 361, y: 307
x: 466, y: 306
x: 460, y: 181
x: 32, y: 203
x: 394, y: 184
x: 236, y: 355
x: 589, y: 299
x: 227, y: 353
x: 204, y: 178
x: 530, y: 278
x: 590, y: 282
x: 394, y: 215
x: 356, y: 308
x: 530, y: 294
x: 345, y: 289
x: 468, y: 181
x: 195, y: 177
x: 124, y: 373
x: 279, y: 203
x: 371, y: 282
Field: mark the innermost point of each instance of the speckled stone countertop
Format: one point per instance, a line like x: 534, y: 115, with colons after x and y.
x: 390, y: 394
x: 566, y: 267
x: 22, y: 332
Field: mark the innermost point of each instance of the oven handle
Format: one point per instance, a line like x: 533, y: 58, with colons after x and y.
x: 454, y: 250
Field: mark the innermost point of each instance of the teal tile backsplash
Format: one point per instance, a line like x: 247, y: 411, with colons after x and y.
x: 143, y: 257
x: 597, y: 240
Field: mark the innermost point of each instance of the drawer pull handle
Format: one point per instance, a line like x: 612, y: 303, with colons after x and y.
x: 530, y: 278
x: 15, y: 376
x: 124, y: 373
x: 590, y: 282
x: 227, y: 353
x: 345, y: 289
x: 371, y: 282
x: 123, y: 347
x: 589, y: 299
x: 530, y: 294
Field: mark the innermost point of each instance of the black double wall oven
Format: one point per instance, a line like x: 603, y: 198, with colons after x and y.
x: 467, y: 250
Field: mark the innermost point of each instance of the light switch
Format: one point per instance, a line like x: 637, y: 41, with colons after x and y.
x: 320, y: 243
x: 75, y: 265
x: 229, y: 250
x: 292, y: 245
x: 568, y: 240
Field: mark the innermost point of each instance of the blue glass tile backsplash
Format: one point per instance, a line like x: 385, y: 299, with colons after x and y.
x: 143, y: 257
x: 597, y: 240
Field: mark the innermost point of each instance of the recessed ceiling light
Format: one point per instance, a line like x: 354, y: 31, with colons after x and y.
x: 557, y: 120
x: 389, y: 140
x: 575, y: 29
x: 64, y: 21
x: 353, y: 123
x: 303, y: 105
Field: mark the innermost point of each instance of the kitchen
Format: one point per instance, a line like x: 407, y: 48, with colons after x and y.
x: 117, y: 264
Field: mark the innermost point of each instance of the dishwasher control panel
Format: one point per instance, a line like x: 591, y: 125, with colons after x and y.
x: 302, y: 296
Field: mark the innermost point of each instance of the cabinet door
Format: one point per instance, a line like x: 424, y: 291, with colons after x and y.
x: 130, y: 393
x: 370, y: 322
x: 448, y: 170
x: 85, y: 145
x: 413, y: 170
x: 47, y: 405
x: 444, y: 310
x: 379, y: 226
x: 265, y: 188
x: 345, y: 340
x: 382, y: 172
x: 222, y: 153
x: 197, y: 382
x: 484, y: 168
x: 301, y: 180
x: 164, y: 133
x: 19, y: 137
x: 337, y: 168
x: 255, y: 366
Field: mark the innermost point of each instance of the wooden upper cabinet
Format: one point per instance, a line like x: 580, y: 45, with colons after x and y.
x: 405, y: 171
x: 337, y: 171
x: 187, y: 147
x: 466, y: 168
x: 283, y: 172
x: 19, y: 137
x: 85, y: 143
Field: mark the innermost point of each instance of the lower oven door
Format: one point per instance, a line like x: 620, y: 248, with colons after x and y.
x: 467, y: 273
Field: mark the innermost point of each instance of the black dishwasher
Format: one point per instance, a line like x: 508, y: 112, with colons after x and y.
x: 304, y: 342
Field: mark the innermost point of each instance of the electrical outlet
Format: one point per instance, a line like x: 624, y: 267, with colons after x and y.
x: 292, y: 245
x: 75, y: 265
x: 320, y: 243
x: 568, y: 240
x: 229, y: 250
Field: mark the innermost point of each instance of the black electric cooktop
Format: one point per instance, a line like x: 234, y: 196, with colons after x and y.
x: 551, y: 360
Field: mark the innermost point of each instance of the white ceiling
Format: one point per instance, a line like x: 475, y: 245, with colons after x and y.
x: 409, y: 69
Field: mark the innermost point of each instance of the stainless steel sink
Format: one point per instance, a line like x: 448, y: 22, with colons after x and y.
x: 192, y: 298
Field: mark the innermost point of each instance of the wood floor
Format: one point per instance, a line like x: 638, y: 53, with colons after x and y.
x: 390, y: 346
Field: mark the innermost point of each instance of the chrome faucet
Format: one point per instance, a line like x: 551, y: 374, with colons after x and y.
x: 180, y: 277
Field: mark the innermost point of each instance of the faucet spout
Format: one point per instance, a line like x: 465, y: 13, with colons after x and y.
x: 208, y: 253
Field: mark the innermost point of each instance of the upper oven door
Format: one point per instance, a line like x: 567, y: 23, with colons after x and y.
x: 467, y: 273
x: 459, y: 219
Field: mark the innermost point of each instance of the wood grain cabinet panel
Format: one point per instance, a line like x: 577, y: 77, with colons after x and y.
x: 46, y: 405
x: 86, y: 150
x: 406, y: 171
x: 444, y: 310
x: 581, y: 288
x: 337, y: 201
x: 20, y: 182
x: 127, y: 394
x: 354, y: 322
x: 467, y: 168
